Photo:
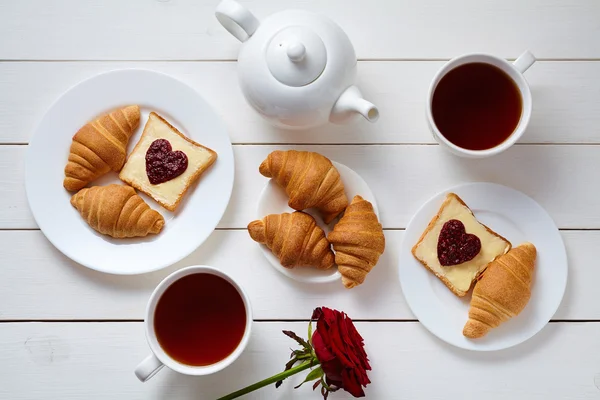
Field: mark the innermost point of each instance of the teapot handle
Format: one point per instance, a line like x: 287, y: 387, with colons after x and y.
x: 240, y: 22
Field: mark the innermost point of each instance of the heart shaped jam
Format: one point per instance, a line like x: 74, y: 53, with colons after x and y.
x: 164, y: 164
x: 455, y: 245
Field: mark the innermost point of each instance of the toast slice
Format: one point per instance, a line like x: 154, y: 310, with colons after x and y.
x: 459, y: 278
x: 168, y: 194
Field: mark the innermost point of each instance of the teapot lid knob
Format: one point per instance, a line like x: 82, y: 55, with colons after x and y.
x: 296, y: 56
x: 296, y: 51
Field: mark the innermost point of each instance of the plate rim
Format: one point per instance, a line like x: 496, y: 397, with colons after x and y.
x: 34, y: 138
x: 404, y: 247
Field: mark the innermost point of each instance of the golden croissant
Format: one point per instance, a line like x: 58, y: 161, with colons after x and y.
x: 294, y: 238
x: 117, y: 211
x: 100, y: 146
x: 309, y: 179
x: 502, y: 292
x: 358, y: 242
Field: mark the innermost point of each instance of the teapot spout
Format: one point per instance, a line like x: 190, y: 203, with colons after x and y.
x: 351, y: 103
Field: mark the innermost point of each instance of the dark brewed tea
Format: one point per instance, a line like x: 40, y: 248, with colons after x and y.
x: 476, y: 106
x: 200, y: 319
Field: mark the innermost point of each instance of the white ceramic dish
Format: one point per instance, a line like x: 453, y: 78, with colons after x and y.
x: 518, y: 218
x: 273, y: 200
x: 197, y: 215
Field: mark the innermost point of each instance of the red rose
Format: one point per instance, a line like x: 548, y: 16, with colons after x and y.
x: 335, y: 354
x: 340, y: 349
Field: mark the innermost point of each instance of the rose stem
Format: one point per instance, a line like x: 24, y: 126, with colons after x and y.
x: 265, y: 382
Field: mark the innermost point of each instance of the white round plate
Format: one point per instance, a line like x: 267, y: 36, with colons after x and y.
x: 273, y: 200
x: 197, y: 215
x: 518, y: 218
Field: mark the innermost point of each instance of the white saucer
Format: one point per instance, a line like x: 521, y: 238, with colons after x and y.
x: 518, y: 218
x: 273, y: 200
x: 197, y: 215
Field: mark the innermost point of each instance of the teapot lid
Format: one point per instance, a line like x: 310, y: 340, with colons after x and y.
x: 296, y: 56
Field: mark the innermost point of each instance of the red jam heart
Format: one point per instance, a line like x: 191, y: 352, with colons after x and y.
x: 455, y: 245
x: 164, y: 164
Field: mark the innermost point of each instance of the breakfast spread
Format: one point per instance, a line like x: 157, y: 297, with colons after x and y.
x: 294, y: 238
x: 309, y: 179
x: 456, y: 247
x: 117, y: 211
x: 100, y: 146
x: 502, y: 292
x: 165, y: 163
x: 153, y: 167
x: 298, y: 86
x: 358, y: 242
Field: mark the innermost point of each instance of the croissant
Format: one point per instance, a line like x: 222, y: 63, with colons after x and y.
x: 294, y: 238
x: 100, y: 146
x: 358, y: 242
x: 502, y: 292
x: 117, y: 211
x: 309, y: 179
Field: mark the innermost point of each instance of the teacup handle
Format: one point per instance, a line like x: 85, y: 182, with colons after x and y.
x: 524, y: 61
x: 148, y: 368
x: 234, y: 17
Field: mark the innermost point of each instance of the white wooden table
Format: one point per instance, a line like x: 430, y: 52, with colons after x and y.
x: 67, y: 332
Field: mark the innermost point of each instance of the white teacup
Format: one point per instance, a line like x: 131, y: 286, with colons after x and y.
x: 159, y: 358
x: 515, y: 71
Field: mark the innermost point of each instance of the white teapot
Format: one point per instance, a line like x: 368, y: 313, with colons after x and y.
x: 296, y: 68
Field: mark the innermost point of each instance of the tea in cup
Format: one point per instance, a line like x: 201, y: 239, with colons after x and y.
x: 480, y: 105
x: 198, y: 322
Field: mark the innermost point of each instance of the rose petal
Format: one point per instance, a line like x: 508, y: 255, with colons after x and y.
x: 323, y: 353
x: 317, y: 312
x: 332, y: 382
x: 333, y: 370
x: 351, y: 383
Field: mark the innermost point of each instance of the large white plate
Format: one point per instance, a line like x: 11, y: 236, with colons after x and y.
x: 514, y: 216
x: 197, y: 215
x: 273, y: 200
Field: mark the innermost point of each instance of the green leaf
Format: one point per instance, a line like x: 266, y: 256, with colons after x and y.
x: 316, y: 373
x: 310, y: 332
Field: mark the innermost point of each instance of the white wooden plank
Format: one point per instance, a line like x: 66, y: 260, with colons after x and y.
x: 96, y: 361
x: 560, y: 178
x: 187, y: 29
x: 13, y: 201
x: 40, y: 283
x: 566, y: 96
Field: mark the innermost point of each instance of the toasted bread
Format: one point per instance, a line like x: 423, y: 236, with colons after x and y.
x: 459, y: 278
x: 168, y: 194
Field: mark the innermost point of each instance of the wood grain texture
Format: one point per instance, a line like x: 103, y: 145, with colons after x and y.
x: 403, y: 43
x: 40, y: 283
x: 96, y: 361
x: 566, y: 97
x: 187, y: 29
x: 560, y: 178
